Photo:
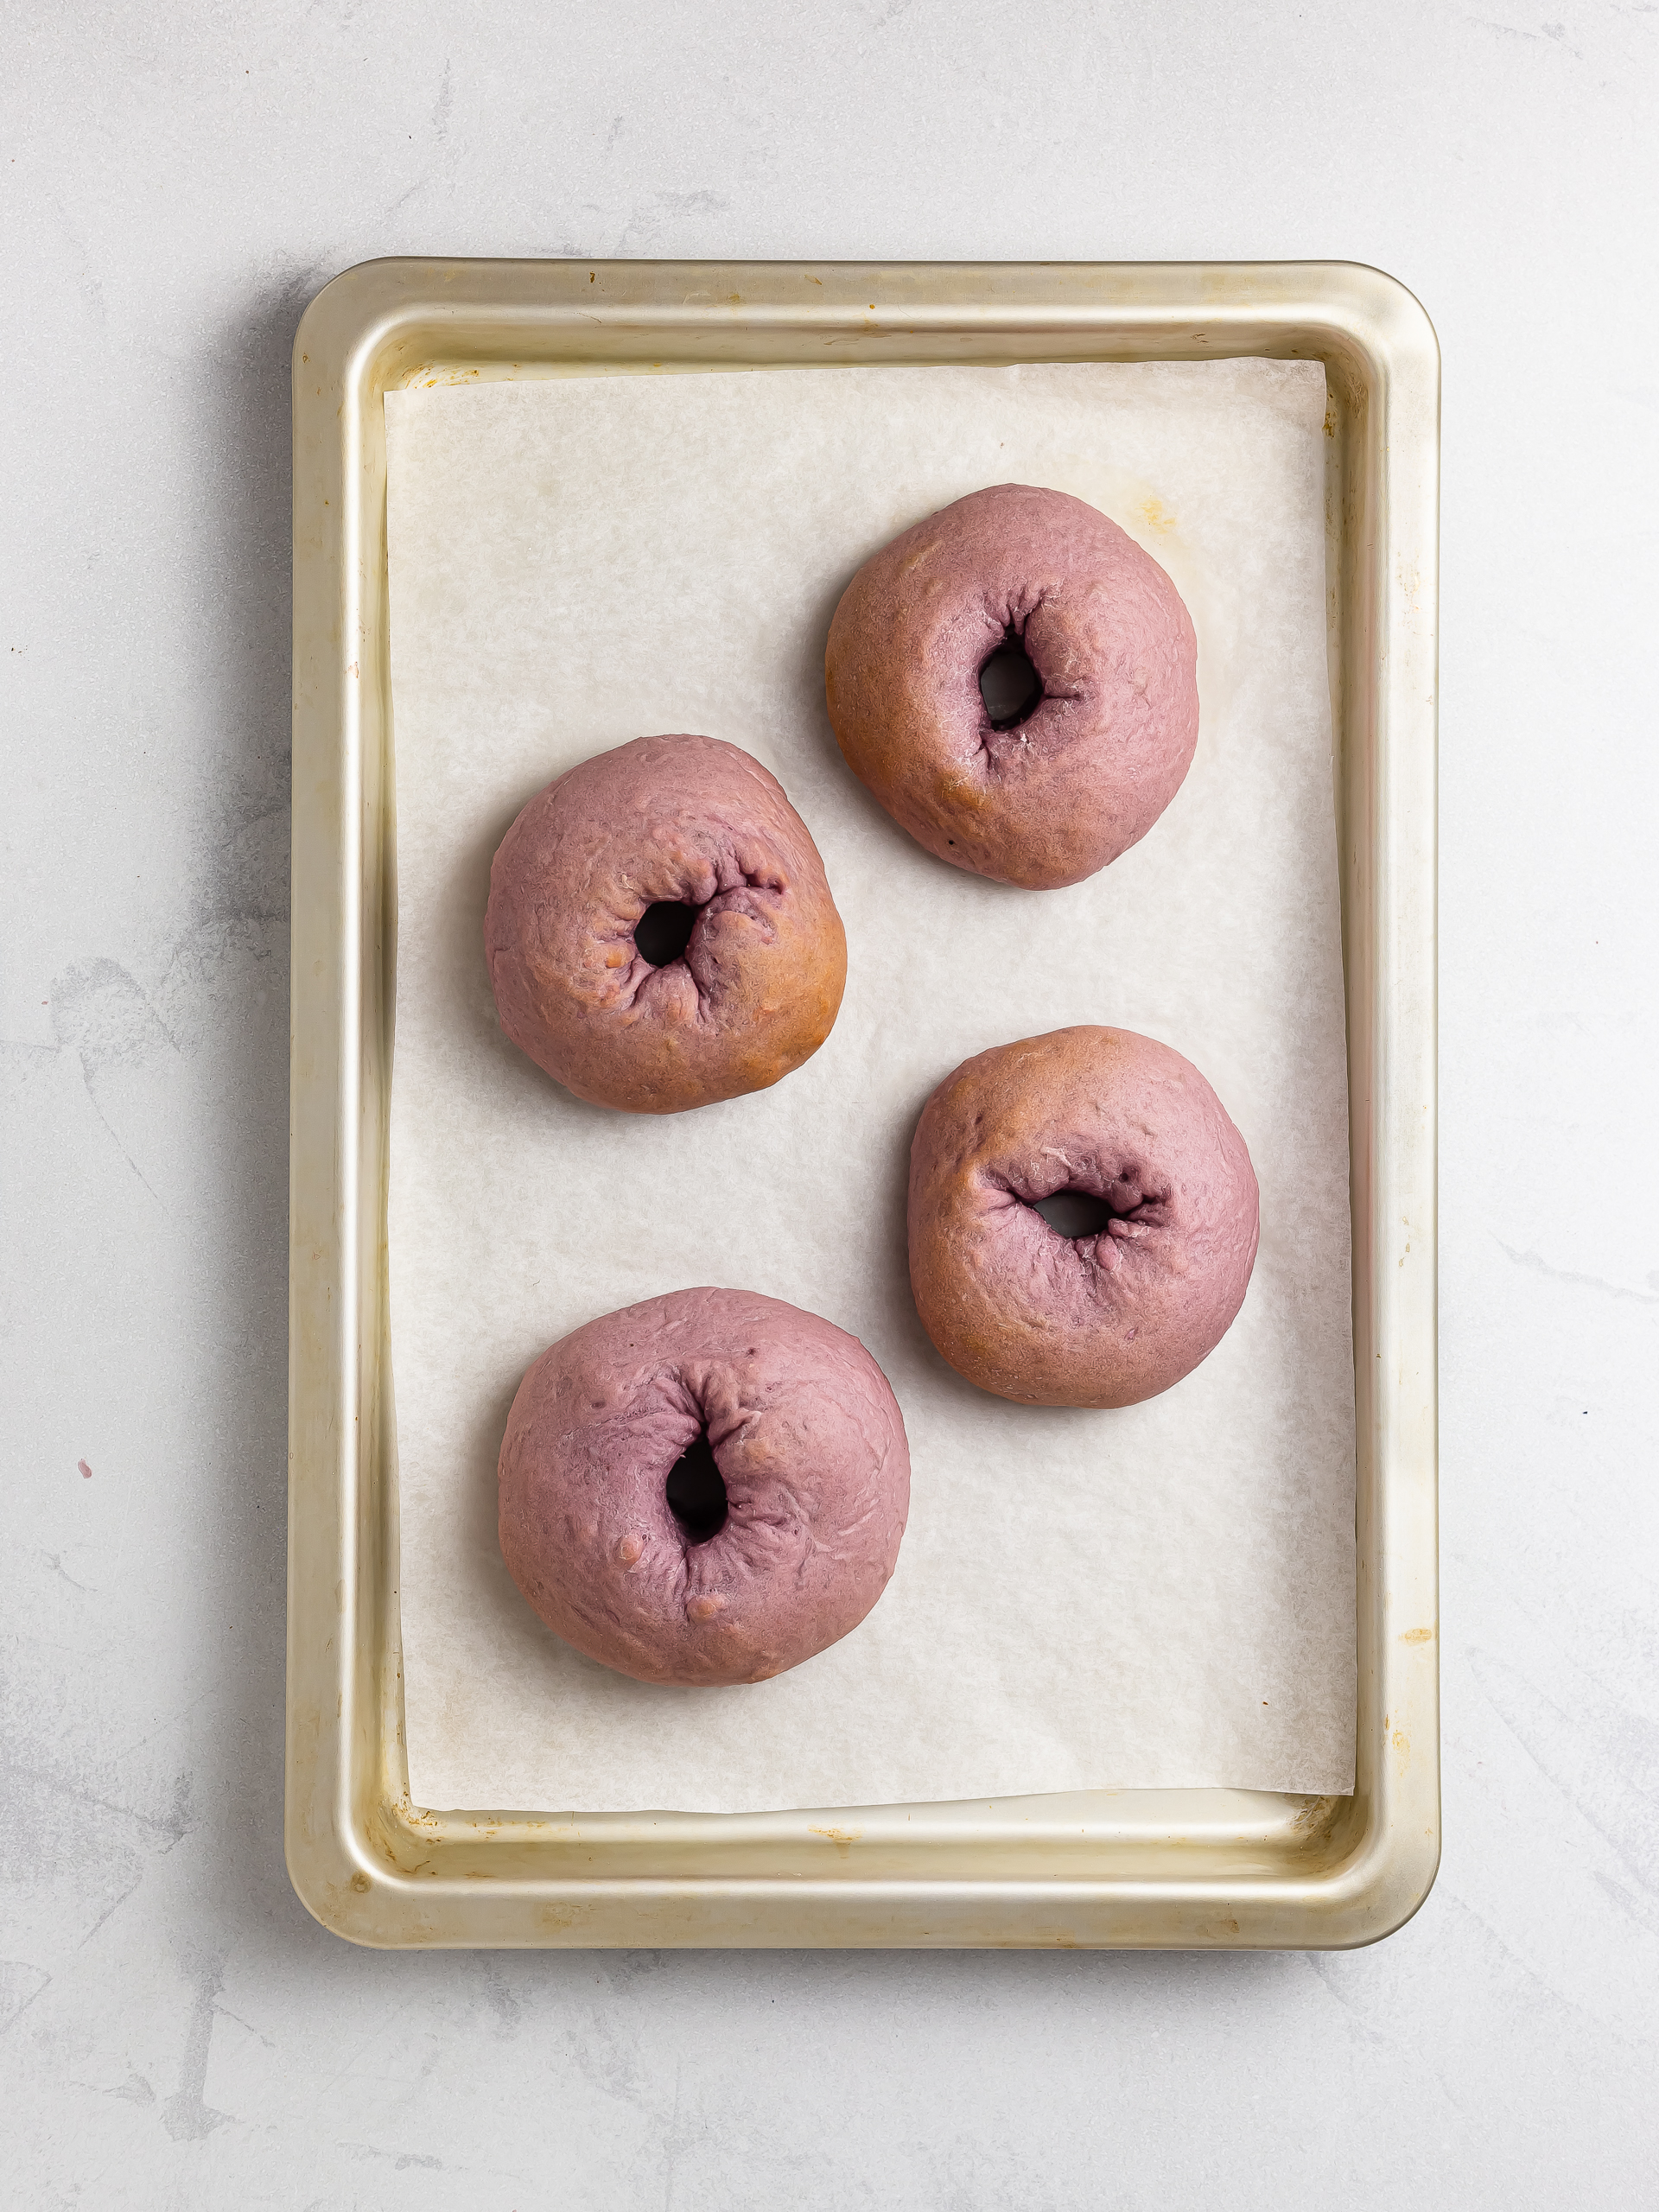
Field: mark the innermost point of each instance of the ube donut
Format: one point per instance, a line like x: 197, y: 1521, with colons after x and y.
x: 1051, y: 792
x: 660, y: 933
x: 1162, y: 1233
x: 707, y: 1488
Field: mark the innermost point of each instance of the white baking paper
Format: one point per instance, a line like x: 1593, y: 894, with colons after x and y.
x: 1159, y: 1597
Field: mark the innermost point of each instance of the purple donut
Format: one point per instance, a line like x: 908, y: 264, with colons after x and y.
x: 1079, y: 769
x: 703, y: 1489
x: 592, y: 978
x: 1145, y: 1279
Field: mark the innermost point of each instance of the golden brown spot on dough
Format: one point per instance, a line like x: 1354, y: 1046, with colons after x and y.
x: 629, y: 1549
x: 1156, y: 514
x: 703, y: 1609
x: 963, y: 792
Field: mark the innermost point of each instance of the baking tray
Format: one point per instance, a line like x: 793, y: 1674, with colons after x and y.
x: 1198, y: 1869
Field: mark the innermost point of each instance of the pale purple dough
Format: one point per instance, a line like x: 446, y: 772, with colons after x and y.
x: 687, y: 821
x: 1104, y: 1319
x: 810, y: 1442
x: 1046, y: 801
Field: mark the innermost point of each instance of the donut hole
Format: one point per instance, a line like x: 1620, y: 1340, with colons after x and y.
x: 696, y: 1491
x: 1074, y: 1213
x: 663, y: 931
x: 1010, y: 684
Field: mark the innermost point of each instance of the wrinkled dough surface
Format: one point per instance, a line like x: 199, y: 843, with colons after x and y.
x: 685, y: 819
x: 1087, y: 774
x: 809, y: 1443
x: 1103, y: 1321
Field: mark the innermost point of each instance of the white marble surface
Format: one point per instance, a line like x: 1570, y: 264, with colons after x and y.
x: 174, y: 2030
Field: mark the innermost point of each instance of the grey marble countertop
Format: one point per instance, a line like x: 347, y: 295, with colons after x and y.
x: 174, y: 2032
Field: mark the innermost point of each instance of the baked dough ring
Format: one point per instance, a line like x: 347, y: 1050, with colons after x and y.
x: 805, y: 1436
x: 1105, y: 1319
x: 664, y: 823
x: 1051, y: 799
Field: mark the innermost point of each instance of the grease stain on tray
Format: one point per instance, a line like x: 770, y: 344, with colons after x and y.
x: 843, y: 1839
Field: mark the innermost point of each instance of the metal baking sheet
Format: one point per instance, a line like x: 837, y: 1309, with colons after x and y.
x: 1178, y: 1868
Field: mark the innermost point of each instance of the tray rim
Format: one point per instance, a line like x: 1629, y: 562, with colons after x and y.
x: 1194, y: 1869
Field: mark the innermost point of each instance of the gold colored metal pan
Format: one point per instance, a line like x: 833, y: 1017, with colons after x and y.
x: 1188, y: 1870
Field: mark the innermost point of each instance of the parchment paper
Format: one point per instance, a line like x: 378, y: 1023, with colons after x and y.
x: 1158, y: 1597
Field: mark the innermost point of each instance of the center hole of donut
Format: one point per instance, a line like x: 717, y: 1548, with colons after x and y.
x: 1010, y: 685
x: 1074, y: 1213
x: 665, y: 930
x: 696, y: 1492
